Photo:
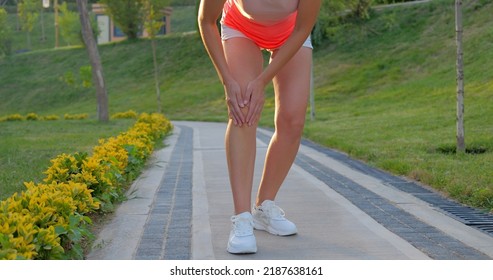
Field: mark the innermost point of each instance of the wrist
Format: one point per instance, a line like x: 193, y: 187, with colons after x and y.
x: 227, y: 81
x: 263, y: 79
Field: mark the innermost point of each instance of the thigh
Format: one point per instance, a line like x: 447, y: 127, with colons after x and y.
x: 244, y: 60
x: 292, y: 86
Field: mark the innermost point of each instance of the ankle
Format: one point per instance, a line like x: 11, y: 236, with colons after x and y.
x: 259, y: 201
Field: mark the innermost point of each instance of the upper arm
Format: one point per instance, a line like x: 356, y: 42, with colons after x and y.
x: 307, y: 14
x: 210, y: 10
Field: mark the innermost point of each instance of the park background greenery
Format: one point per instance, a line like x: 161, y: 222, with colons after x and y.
x: 384, y: 89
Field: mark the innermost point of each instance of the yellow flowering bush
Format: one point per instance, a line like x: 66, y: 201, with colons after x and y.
x: 35, y: 117
x: 13, y: 117
x: 32, y: 117
x: 158, y: 124
x: 31, y: 220
x: 75, y: 116
x: 48, y: 220
x: 130, y: 114
x: 51, y: 118
x: 17, y: 234
x: 101, y: 177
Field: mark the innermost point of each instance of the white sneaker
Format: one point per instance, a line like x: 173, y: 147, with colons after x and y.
x: 270, y: 217
x: 241, y: 239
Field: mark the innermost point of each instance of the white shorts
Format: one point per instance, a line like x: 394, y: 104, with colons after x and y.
x: 228, y: 33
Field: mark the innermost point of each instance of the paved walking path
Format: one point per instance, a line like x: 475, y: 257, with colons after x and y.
x: 180, y: 208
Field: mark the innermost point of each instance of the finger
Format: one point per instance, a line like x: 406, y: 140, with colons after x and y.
x: 237, y: 114
x: 251, y: 113
x: 247, y: 97
x: 241, y: 102
x: 251, y: 107
x: 254, y: 107
x: 232, y: 118
x: 238, y: 106
x: 254, y: 113
x: 235, y: 108
x: 239, y: 118
x: 231, y: 113
x: 255, y: 116
x: 241, y: 113
x: 234, y: 101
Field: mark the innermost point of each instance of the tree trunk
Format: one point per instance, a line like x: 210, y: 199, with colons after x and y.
x: 461, y: 146
x: 312, y: 96
x: 156, y: 76
x: 97, y: 68
x: 57, y: 26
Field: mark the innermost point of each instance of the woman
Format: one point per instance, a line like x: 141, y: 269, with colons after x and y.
x: 247, y: 27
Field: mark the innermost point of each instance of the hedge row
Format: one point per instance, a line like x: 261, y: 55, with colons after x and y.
x: 35, y: 117
x: 49, y: 220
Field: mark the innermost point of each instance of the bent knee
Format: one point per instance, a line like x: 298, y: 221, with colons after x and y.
x: 290, y: 125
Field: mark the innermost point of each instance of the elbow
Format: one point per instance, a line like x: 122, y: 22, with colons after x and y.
x: 200, y: 20
x: 303, y: 30
x: 206, y: 25
x: 205, y: 18
x: 203, y: 21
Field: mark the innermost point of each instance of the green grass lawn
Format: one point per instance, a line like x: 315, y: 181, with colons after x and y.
x: 389, y: 99
x: 27, y: 147
x: 385, y: 92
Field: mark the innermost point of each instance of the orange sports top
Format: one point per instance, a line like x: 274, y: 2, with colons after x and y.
x: 268, y: 33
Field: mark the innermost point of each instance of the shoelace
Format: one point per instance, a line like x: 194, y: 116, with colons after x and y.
x: 242, y: 226
x: 274, y: 212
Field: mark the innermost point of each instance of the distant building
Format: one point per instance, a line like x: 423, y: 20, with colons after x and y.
x: 109, y: 32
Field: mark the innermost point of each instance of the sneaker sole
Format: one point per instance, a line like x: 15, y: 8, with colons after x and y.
x: 260, y: 226
x: 242, y: 251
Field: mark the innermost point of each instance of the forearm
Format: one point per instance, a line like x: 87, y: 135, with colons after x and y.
x: 283, y: 55
x: 307, y: 15
x: 214, y: 49
x: 212, y: 42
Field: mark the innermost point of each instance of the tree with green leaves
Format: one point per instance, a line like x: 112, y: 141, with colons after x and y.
x: 334, y: 13
x: 28, y: 14
x: 153, y: 22
x: 69, y: 25
x: 360, y: 8
x: 127, y: 15
x: 328, y: 20
x: 5, y: 34
x: 70, y: 29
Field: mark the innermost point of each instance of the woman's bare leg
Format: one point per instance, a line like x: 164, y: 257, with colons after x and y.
x: 245, y: 62
x: 292, y: 87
